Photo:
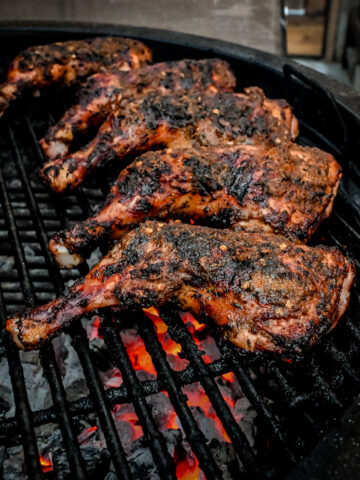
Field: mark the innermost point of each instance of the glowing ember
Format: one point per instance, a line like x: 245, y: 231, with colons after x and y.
x: 187, y: 470
x: 171, y: 348
x: 91, y: 429
x: 46, y: 464
x: 94, y: 331
x: 126, y: 413
x: 187, y: 465
x: 137, y: 352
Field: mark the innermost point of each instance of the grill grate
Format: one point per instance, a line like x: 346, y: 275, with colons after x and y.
x: 295, y: 402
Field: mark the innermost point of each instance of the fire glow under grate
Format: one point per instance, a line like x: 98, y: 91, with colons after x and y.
x: 160, y: 395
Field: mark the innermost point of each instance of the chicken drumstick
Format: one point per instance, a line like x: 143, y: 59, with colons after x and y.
x: 104, y: 91
x: 155, y: 120
x: 291, y: 190
x: 266, y: 292
x: 67, y: 62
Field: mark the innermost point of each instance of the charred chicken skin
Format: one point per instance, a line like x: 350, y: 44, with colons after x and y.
x: 104, y: 91
x: 266, y: 292
x: 155, y: 121
x: 289, y: 189
x: 67, y: 62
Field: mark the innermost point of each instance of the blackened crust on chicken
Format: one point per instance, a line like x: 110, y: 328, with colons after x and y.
x: 178, y: 121
x: 289, y: 190
x: 104, y: 91
x: 264, y: 291
x: 67, y: 62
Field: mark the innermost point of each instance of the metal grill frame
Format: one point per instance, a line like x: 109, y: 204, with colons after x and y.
x: 302, y: 87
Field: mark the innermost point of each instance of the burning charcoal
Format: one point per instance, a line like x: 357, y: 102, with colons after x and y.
x: 127, y: 426
x: 173, y: 438
x: 229, y: 386
x: 224, y: 456
x: 206, y: 424
x: 112, y: 378
x: 5, y: 387
x: 96, y: 459
x: 141, y: 461
x: 186, y: 461
x: 245, y: 414
x: 13, y: 466
x: 161, y: 409
x: 74, y: 380
x: 142, y: 464
x: 88, y: 435
x: 209, y: 347
x: 143, y: 376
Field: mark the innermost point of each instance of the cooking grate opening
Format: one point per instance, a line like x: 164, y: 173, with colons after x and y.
x: 268, y: 411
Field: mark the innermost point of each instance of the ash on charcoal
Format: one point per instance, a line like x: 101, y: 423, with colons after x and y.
x: 141, y: 461
x: 112, y: 378
x: 206, y: 424
x: 226, y: 460
x: 127, y: 426
x: 96, y: 459
x: 6, y: 389
x: 74, y: 380
x: 6, y: 264
x: 245, y: 415
x: 13, y: 467
x: 143, y: 376
x: 161, y: 409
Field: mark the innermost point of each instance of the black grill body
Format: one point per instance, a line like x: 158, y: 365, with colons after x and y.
x: 308, y: 396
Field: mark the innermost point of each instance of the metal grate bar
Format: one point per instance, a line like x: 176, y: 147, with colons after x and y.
x: 116, y: 396
x: 181, y: 335
x: 80, y: 343
x: 322, y: 384
x: 51, y: 371
x: 194, y: 435
x: 92, y: 378
x: 232, y: 354
x: 23, y: 412
x: 154, y: 438
x: 341, y: 360
x: 289, y: 392
x: 54, y: 379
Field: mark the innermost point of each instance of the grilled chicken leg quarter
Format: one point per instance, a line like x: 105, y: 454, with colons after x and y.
x: 266, y: 292
x: 288, y: 190
x: 155, y: 120
x: 67, y: 62
x: 104, y: 91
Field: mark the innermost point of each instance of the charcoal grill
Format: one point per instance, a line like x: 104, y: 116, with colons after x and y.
x: 300, y: 402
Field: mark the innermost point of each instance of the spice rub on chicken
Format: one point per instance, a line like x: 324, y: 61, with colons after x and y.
x: 178, y: 120
x: 266, y: 292
x: 105, y: 91
x: 67, y: 62
x: 289, y: 189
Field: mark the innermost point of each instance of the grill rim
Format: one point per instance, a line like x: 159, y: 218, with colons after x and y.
x: 346, y: 98
x: 345, y: 95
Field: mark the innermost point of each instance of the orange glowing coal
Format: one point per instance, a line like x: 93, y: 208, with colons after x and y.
x: 187, y: 466
x: 46, y: 464
x: 91, y: 429
x: 187, y: 469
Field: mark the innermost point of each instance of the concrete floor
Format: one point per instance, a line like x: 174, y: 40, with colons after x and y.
x: 254, y: 23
